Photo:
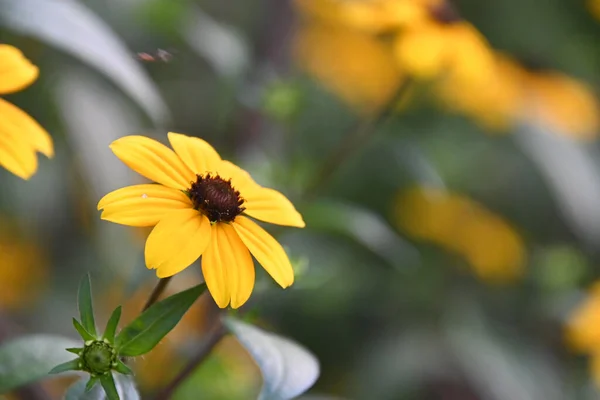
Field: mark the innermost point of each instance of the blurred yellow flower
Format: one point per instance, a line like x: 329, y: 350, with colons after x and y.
x: 491, y: 245
x: 20, y: 135
x: 594, y: 7
x: 583, y: 327
x: 374, y: 16
x: 355, y: 66
x: 23, y: 271
x: 432, y: 50
x: 196, y: 210
x: 562, y: 103
x: 510, y: 94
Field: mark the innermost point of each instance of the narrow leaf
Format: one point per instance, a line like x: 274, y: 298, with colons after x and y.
x: 111, y: 325
x: 142, y: 334
x: 123, y: 368
x: 85, y: 306
x: 287, y: 368
x: 72, y: 27
x: 29, y: 358
x: 91, y: 383
x: 72, y: 365
x: 85, y: 335
x: 75, y: 350
x: 125, y: 388
x: 108, y: 384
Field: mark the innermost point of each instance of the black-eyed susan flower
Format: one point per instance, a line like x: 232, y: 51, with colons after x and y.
x: 491, y: 245
x: 20, y: 135
x: 443, y: 45
x: 355, y: 66
x: 200, y: 207
x: 373, y: 16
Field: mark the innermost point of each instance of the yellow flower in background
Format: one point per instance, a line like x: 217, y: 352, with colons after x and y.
x: 434, y: 50
x: 23, y: 270
x: 20, y: 135
x: 353, y: 65
x: 493, y: 248
x: 198, y: 208
x: 494, y: 100
x: 583, y: 327
x: 594, y: 7
x: 562, y: 103
x: 374, y: 16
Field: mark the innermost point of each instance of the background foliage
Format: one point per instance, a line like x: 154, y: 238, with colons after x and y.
x: 443, y: 260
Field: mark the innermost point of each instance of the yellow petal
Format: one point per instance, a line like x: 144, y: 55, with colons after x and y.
x: 154, y: 161
x: 16, y: 154
x: 240, y: 179
x: 23, y: 125
x: 16, y: 72
x: 227, y: 267
x: 197, y: 154
x: 422, y: 52
x: 178, y: 240
x: 141, y: 205
x: 266, y: 250
x: 271, y: 206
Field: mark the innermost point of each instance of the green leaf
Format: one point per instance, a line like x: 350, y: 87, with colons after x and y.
x: 91, y: 383
x: 142, y: 334
x: 123, y: 368
x: 72, y: 365
x: 287, y: 368
x: 85, y: 306
x: 29, y: 358
x: 111, y: 325
x: 364, y: 227
x: 124, y: 384
x: 85, y: 335
x: 75, y: 350
x: 108, y: 384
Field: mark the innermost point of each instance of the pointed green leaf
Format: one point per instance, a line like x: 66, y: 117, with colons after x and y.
x: 142, y: 334
x: 91, y: 383
x: 85, y: 335
x: 111, y: 325
x: 108, y: 383
x: 85, y: 306
x: 125, y: 387
x: 123, y: 368
x: 75, y: 350
x: 72, y: 365
x: 29, y: 358
x: 287, y: 368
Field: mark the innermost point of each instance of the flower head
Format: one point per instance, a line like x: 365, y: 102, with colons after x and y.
x: 200, y: 207
x: 20, y: 135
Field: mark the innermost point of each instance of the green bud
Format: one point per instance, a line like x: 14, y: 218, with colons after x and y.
x: 98, y: 357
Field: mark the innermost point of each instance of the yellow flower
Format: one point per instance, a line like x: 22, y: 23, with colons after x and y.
x: 493, y: 248
x: 373, y: 16
x: 583, y: 327
x: 594, y: 7
x: 20, y: 135
x: 562, y: 103
x: 200, y: 207
x: 353, y: 65
x: 430, y: 50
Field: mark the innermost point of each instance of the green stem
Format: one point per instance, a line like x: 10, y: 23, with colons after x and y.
x: 214, y: 337
x: 354, y: 141
x: 158, y: 290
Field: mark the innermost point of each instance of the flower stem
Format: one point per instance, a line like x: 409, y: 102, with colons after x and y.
x: 355, y: 140
x: 213, y: 337
x: 158, y: 290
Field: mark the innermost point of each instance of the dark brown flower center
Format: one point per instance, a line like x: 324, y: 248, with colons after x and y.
x: 216, y: 198
x: 445, y: 13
